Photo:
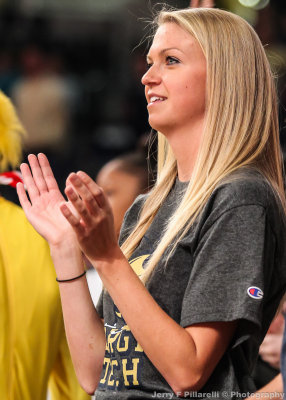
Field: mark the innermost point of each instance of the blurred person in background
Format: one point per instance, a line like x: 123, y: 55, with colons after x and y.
x: 44, y: 99
x: 269, y: 361
x: 33, y: 346
x: 41, y: 96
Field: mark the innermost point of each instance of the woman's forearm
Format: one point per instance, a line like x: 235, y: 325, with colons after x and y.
x: 84, y: 328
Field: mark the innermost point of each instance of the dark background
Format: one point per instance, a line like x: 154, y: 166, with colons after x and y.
x: 94, y: 48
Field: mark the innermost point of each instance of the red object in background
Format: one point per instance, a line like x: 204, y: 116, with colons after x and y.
x: 10, y: 178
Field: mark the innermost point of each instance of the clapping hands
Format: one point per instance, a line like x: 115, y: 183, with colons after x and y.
x: 86, y: 218
x: 93, y: 224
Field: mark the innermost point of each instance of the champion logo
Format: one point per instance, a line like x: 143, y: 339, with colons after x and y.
x: 255, y: 292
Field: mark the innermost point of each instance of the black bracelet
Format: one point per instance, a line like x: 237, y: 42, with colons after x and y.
x: 72, y: 279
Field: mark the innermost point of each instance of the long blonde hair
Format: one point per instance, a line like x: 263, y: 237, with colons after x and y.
x: 241, y: 124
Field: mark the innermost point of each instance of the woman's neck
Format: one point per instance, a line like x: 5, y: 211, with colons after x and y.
x: 185, y: 146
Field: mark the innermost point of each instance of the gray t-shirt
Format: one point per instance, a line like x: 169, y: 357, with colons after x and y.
x: 231, y: 265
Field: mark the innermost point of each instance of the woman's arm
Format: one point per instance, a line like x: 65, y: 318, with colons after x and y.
x: 185, y: 357
x: 84, y: 329
x: 83, y: 326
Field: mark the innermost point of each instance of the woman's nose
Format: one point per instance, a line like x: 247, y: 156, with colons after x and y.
x: 152, y: 76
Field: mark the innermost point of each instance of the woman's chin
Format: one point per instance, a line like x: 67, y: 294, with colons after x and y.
x: 157, y: 125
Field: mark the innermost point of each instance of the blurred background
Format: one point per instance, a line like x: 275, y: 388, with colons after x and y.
x: 73, y: 69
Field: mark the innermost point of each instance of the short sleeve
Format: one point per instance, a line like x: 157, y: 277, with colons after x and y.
x: 227, y: 281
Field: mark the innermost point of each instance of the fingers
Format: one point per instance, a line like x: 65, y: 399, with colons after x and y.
x: 29, y: 182
x: 74, y: 221
x: 80, y: 206
x: 37, y: 173
x: 86, y: 197
x: 96, y: 191
x: 38, y: 177
x: 89, y: 191
x: 47, y: 172
x: 24, y: 201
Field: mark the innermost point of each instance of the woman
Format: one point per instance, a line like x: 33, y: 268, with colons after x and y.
x: 207, y: 242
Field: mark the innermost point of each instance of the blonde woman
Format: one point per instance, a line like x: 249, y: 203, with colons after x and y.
x: 190, y: 293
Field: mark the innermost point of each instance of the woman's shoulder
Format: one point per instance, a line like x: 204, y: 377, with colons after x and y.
x: 244, y: 187
x: 243, y: 194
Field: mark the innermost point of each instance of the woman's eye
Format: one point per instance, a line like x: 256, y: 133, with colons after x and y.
x: 172, y: 60
x: 148, y: 65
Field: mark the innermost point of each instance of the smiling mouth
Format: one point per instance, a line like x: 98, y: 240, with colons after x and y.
x: 156, y: 99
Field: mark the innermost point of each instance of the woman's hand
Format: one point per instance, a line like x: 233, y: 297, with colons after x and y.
x: 94, y: 225
x: 43, y: 208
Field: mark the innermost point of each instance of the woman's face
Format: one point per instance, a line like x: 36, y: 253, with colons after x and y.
x: 175, y: 83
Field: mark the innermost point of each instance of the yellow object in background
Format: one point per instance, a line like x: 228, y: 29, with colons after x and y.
x: 11, y: 134
x: 33, y: 346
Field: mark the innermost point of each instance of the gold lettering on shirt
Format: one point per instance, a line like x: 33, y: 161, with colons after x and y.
x: 124, y: 356
x: 130, y: 372
x: 111, y: 381
x: 106, y: 363
x: 126, y: 343
x: 112, y: 337
x: 138, y: 348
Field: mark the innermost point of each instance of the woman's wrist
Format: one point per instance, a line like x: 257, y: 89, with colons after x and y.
x: 68, y: 260
x: 65, y: 247
x: 74, y: 278
x: 114, y: 256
